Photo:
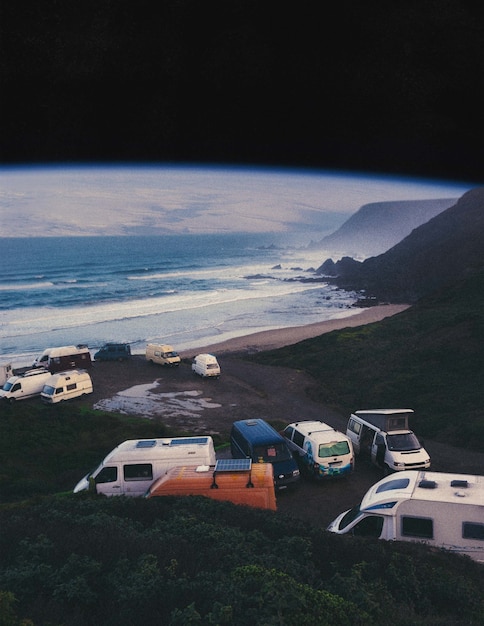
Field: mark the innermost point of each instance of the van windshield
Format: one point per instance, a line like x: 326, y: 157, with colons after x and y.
x: 272, y: 453
x: 348, y: 517
x: 48, y: 390
x: 403, y: 442
x: 335, y: 448
x: 7, y: 386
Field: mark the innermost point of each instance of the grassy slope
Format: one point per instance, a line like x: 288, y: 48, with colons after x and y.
x: 429, y: 358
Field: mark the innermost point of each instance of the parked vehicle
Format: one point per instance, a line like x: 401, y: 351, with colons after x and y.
x: 163, y: 354
x: 66, y: 385
x: 113, y: 352
x: 27, y: 385
x: 321, y: 451
x: 6, y: 372
x: 64, y: 358
x: 132, y: 466
x: 250, y: 485
x: 442, y: 510
x: 383, y: 436
x: 257, y: 440
x: 206, y: 366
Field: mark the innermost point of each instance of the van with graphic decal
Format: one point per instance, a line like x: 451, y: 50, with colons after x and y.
x: 321, y: 451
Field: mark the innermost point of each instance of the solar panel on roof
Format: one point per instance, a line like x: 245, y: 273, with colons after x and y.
x: 186, y: 440
x: 233, y: 465
x: 146, y: 443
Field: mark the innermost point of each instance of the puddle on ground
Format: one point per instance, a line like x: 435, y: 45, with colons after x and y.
x: 140, y: 400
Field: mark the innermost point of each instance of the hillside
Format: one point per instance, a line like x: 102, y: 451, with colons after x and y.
x: 437, y: 253
x: 429, y: 357
x: 180, y: 561
x: 378, y: 226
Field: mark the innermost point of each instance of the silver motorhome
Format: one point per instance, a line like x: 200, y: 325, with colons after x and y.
x: 132, y: 466
x: 66, y: 385
x: 383, y: 436
x: 440, y: 509
x: 25, y: 386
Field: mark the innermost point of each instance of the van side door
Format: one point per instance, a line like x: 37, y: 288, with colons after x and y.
x: 378, y: 450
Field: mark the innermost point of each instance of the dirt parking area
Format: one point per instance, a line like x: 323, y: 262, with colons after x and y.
x: 183, y: 401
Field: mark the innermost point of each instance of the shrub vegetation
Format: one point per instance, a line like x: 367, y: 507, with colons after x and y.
x: 428, y: 358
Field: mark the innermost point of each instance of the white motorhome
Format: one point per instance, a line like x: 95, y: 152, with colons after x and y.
x: 383, y: 436
x: 163, y: 354
x: 206, y: 366
x: 132, y: 467
x: 440, y: 509
x: 25, y: 386
x: 320, y: 450
x: 6, y: 372
x: 66, y: 385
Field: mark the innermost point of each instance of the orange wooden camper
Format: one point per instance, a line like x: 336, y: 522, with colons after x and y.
x: 235, y: 480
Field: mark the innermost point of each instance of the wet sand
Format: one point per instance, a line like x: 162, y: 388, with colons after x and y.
x: 280, y: 337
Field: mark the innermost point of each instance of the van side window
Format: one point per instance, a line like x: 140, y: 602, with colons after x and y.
x: 473, y: 530
x: 241, y: 442
x: 421, y: 527
x: 107, y: 475
x: 298, y: 439
x: 354, y: 426
x: 71, y: 387
x: 59, y: 390
x: 140, y: 471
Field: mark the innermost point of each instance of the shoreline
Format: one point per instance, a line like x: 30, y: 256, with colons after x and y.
x: 281, y: 337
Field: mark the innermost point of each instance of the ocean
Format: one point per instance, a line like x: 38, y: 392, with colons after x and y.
x: 186, y: 290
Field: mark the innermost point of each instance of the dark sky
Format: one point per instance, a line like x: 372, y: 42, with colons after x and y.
x: 376, y: 86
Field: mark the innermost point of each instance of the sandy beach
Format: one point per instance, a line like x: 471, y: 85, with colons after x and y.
x: 277, y: 338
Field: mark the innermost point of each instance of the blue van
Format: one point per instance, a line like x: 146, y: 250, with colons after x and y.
x: 113, y: 352
x: 256, y: 439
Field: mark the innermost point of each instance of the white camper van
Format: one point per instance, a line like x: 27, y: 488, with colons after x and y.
x: 321, y: 451
x: 28, y: 385
x: 442, y: 510
x: 132, y: 467
x: 383, y: 436
x: 163, y: 354
x: 66, y: 385
x: 206, y: 366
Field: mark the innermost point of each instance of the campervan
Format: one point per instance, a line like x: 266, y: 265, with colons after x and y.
x: 6, y: 372
x: 322, y: 451
x: 162, y: 354
x: 66, y: 385
x: 240, y: 482
x: 440, y: 509
x: 25, y: 386
x: 257, y: 440
x: 64, y: 358
x: 113, y: 352
x: 383, y: 436
x: 206, y: 366
x: 132, y: 466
